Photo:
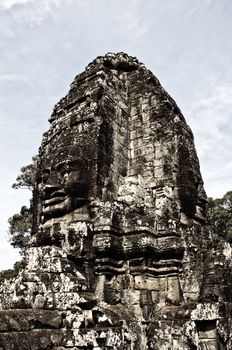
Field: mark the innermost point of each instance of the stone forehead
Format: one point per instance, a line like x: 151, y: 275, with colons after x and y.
x: 70, y: 162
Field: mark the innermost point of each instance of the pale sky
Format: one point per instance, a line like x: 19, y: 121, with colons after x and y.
x: 44, y: 44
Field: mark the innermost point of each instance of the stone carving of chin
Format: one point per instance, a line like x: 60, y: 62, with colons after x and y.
x: 63, y: 188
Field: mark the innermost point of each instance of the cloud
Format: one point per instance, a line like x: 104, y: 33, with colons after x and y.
x: 32, y: 12
x: 210, y: 119
x: 9, y: 256
x: 213, y: 115
x: 11, y: 77
x: 7, y: 4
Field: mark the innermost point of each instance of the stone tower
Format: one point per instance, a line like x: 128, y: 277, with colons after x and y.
x: 119, y: 256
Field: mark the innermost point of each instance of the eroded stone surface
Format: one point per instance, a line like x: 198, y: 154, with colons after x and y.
x: 119, y: 257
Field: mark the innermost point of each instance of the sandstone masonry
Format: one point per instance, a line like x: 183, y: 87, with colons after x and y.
x: 119, y: 256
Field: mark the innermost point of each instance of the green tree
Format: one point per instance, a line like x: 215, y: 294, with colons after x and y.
x: 11, y: 273
x: 26, y: 179
x: 219, y: 217
x: 20, y: 224
x: 20, y: 228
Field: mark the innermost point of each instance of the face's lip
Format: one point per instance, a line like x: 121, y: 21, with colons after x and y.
x: 59, y: 193
x: 46, y: 197
x: 54, y: 200
x: 55, y: 204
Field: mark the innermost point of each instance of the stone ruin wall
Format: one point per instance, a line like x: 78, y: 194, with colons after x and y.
x: 119, y: 256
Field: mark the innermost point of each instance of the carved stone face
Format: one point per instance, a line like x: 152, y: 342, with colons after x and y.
x: 63, y: 187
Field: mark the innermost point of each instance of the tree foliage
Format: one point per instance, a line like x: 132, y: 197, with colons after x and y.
x: 20, y: 224
x: 219, y: 216
x: 26, y: 178
x: 11, y: 273
x: 20, y: 228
